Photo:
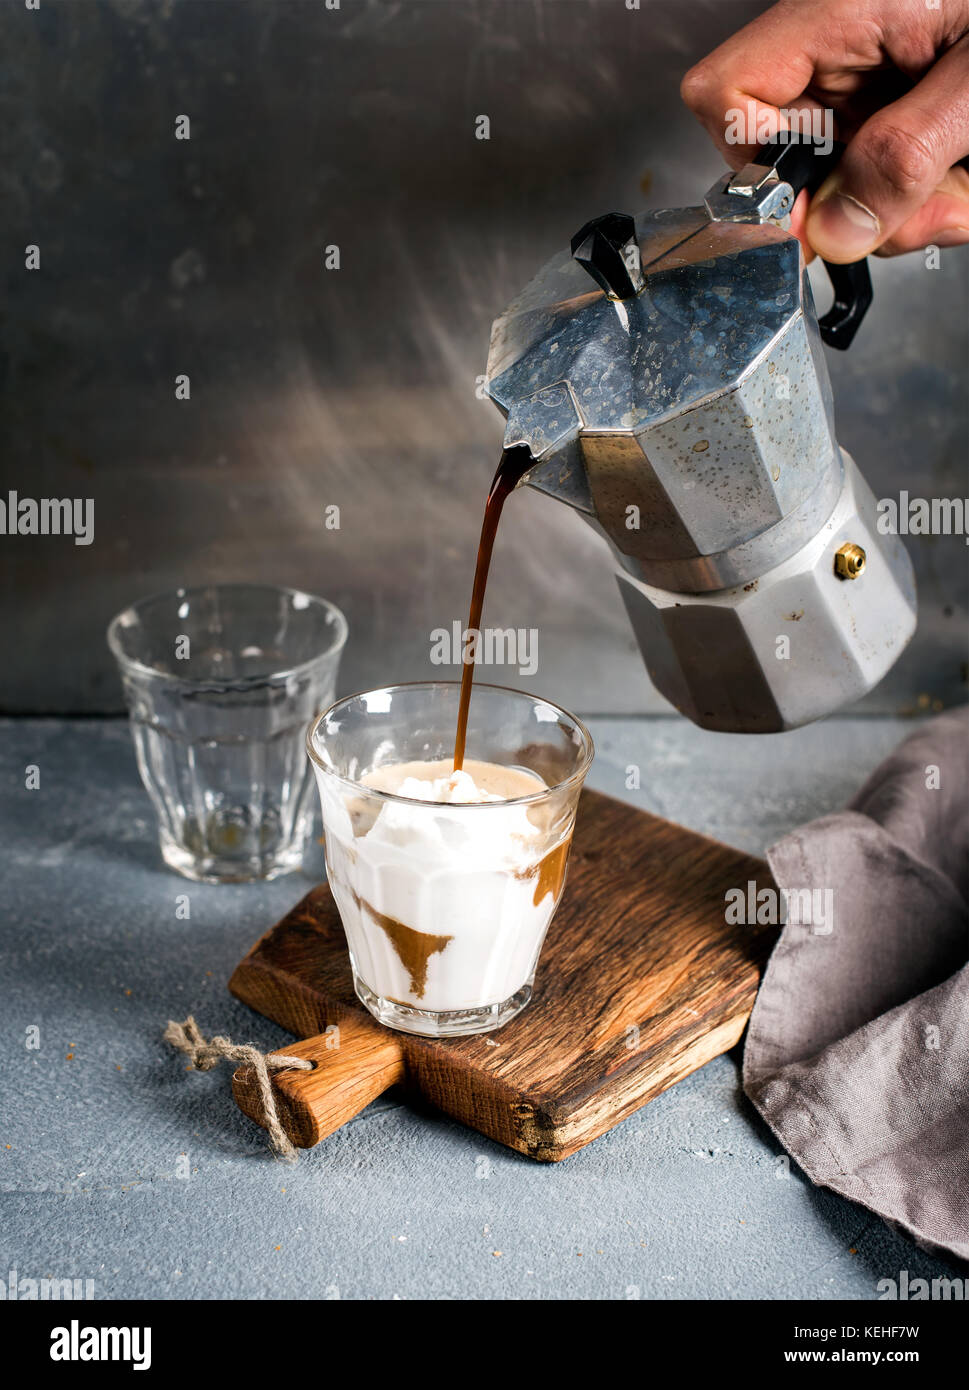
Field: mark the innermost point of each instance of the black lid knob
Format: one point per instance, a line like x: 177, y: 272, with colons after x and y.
x: 608, y: 249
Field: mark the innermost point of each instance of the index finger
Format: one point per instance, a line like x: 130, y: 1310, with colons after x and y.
x: 768, y: 66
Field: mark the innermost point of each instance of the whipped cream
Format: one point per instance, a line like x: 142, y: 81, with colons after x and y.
x: 446, y: 893
x: 458, y: 786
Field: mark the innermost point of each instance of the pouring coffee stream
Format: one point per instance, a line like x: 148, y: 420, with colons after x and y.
x: 513, y: 465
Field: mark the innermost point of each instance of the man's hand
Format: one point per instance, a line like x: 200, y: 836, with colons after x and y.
x: 896, y: 75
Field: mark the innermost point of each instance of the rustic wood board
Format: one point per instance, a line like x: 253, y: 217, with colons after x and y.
x: 639, y: 943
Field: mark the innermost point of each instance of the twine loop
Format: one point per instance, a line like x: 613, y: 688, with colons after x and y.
x: 188, y: 1038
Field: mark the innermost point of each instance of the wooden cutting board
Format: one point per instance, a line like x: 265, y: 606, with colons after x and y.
x: 640, y: 982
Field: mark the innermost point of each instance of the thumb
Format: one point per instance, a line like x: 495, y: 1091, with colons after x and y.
x: 893, y: 165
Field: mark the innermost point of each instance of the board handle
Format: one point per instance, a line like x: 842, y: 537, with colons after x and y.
x: 351, y: 1068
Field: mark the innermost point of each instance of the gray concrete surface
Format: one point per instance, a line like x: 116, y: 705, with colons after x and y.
x: 686, y: 1199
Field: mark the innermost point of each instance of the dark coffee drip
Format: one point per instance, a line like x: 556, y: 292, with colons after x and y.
x: 514, y: 464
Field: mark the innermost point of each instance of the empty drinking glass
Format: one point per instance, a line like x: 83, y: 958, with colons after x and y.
x: 221, y: 684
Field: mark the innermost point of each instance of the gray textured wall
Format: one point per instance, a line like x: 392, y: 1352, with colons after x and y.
x: 357, y: 387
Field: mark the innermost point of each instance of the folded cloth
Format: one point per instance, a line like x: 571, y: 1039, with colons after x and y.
x: 857, y: 1052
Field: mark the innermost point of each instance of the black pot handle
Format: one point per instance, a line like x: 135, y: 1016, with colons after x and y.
x: 805, y: 162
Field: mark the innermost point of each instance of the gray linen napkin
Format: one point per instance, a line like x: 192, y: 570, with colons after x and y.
x: 857, y: 1052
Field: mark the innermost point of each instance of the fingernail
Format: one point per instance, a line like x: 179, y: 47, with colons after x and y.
x: 952, y: 236
x: 842, y: 227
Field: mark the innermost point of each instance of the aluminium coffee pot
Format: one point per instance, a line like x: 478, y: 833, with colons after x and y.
x: 667, y: 376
